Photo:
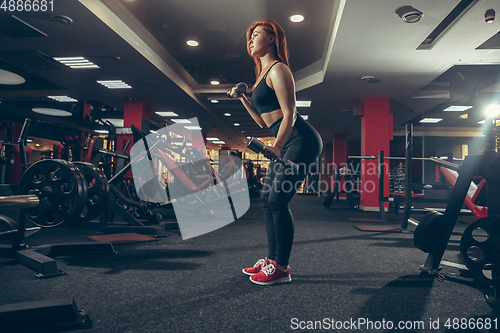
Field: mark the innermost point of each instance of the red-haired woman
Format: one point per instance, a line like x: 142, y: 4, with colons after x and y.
x: 272, y: 105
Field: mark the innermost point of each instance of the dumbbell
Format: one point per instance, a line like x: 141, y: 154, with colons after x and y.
x: 258, y: 146
x: 240, y: 89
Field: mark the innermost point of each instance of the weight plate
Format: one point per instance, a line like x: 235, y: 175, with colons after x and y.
x: 480, y: 249
x: 428, y: 235
x: 60, y: 187
x: 97, y: 189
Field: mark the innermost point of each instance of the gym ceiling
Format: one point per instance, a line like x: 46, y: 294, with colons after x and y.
x: 143, y: 43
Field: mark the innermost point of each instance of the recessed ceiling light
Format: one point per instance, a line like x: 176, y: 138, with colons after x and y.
x: 115, y: 122
x: 249, y: 137
x: 102, y: 131
x: 63, y: 98
x: 303, y: 104
x: 305, y: 116
x: 76, y: 62
x: 236, y: 124
x: 227, y: 114
x: 181, y: 121
x: 458, y: 108
x: 193, y: 128
x: 464, y: 116
x: 219, y: 142
x: 37, y: 144
x: 296, y: 18
x: 215, y: 101
x: 9, y: 78
x: 166, y: 114
x: 192, y: 43
x: 214, y: 82
x: 370, y: 79
x: 114, y: 84
x: 212, y: 139
x: 52, y: 112
x: 481, y: 122
x: 431, y: 120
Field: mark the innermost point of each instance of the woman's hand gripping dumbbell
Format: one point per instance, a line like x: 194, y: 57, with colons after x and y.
x: 238, y: 90
x: 258, y: 146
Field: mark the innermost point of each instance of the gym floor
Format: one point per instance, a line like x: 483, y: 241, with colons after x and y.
x: 339, y: 274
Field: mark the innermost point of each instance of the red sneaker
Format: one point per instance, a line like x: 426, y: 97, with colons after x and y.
x: 271, y: 274
x: 261, y: 263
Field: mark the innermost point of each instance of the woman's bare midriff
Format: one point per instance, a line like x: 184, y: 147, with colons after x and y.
x: 272, y: 117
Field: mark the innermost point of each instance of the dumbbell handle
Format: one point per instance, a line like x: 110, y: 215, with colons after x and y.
x: 258, y: 146
x: 240, y: 88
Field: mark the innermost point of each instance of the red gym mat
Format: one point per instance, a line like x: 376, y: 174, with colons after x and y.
x: 131, y: 237
x: 361, y: 219
x: 381, y: 228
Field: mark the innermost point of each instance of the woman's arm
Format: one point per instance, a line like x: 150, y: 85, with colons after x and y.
x: 253, y: 113
x: 284, y: 86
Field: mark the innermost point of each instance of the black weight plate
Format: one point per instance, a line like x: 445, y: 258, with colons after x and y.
x: 98, y: 191
x: 59, y: 185
x: 480, y: 250
x: 429, y: 235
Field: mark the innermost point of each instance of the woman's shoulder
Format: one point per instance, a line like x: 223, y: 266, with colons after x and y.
x: 280, y: 69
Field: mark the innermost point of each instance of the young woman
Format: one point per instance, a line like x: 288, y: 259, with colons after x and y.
x: 272, y: 105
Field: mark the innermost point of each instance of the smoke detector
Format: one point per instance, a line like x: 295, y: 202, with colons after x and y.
x: 409, y: 14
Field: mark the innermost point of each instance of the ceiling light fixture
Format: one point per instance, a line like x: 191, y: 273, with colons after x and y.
x: 219, y: 142
x: 102, y: 131
x: 192, y: 43
x: 214, y: 82
x: 492, y: 111
x: 305, y: 116
x: 297, y: 18
x: 236, y: 124
x: 63, y: 98
x: 166, y: 114
x: 76, y: 62
x: 458, y: 108
x: 62, y: 19
x: 52, y: 112
x: 430, y: 120
x: 192, y: 128
x: 370, y: 79
x: 215, y: 101
x: 181, y: 121
x: 114, y: 84
x: 227, y: 114
x: 212, y: 139
x: 9, y: 78
x: 303, y: 104
x: 409, y: 14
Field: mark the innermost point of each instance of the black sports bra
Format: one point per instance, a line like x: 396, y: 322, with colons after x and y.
x: 263, y: 98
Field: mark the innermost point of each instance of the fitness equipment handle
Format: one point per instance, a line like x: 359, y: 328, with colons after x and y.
x: 258, y: 146
x: 240, y: 88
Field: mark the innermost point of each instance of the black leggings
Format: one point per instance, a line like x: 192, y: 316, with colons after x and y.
x: 303, y: 148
